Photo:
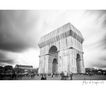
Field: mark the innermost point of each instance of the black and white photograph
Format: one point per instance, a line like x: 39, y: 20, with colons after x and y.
x: 53, y: 45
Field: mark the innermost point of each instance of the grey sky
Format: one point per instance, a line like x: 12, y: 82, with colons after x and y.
x: 20, y: 31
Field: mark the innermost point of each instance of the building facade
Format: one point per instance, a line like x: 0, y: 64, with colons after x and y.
x: 61, y: 51
x: 24, y: 67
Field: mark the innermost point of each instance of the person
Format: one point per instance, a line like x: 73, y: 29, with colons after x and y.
x: 71, y: 74
x: 64, y: 75
x: 43, y: 77
x: 52, y: 75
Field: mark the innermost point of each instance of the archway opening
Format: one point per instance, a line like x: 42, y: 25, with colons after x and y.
x: 53, y: 60
x: 53, y: 50
x: 78, y: 59
x: 54, y: 66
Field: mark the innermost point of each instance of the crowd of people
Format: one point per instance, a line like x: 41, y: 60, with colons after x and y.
x: 64, y: 76
x: 10, y: 73
x: 30, y: 76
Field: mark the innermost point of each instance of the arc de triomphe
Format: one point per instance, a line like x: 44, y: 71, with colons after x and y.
x: 61, y: 51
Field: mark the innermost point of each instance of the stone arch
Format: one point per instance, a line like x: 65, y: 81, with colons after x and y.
x: 78, y: 63
x: 53, y: 49
x: 58, y: 45
x: 53, y: 60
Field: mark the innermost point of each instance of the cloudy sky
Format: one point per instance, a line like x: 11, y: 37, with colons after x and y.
x: 20, y: 31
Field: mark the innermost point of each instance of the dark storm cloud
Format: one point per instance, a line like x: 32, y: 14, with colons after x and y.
x: 4, y: 59
x: 2, y: 55
x: 99, y: 65
x: 17, y: 47
x: 100, y: 20
x: 16, y: 28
